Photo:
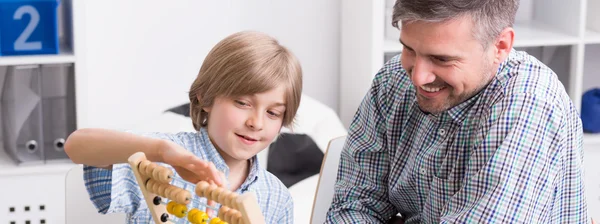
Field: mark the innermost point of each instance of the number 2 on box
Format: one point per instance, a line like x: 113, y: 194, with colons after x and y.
x: 21, y: 42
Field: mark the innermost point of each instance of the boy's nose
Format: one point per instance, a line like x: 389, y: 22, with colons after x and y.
x: 255, y: 122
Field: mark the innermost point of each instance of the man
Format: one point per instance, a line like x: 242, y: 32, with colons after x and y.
x: 461, y: 128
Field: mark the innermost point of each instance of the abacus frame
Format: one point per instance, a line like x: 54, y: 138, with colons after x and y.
x: 245, y: 203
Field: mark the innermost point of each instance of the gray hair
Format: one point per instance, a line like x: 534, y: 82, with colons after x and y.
x: 490, y: 17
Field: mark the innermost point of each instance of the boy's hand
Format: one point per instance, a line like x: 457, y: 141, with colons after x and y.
x: 189, y: 166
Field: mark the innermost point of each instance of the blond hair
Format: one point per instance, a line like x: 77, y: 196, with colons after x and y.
x: 246, y: 63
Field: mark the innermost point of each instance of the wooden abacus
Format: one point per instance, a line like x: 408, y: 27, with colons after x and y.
x: 155, y: 183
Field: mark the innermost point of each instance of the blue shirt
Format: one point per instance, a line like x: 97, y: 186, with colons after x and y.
x: 116, y: 190
x: 511, y: 154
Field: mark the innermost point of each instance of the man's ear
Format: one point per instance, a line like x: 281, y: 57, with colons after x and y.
x: 504, y: 44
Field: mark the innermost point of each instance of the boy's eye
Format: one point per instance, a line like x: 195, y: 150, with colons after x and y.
x: 241, y: 103
x: 273, y: 113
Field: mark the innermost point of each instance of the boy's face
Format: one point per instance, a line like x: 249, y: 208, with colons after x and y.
x: 241, y: 127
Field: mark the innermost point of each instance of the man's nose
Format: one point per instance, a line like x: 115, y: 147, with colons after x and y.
x: 421, y: 73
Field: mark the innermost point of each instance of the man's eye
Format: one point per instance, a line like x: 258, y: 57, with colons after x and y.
x: 440, y: 59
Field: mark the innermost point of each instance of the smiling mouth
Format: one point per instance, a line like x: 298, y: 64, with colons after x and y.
x: 432, y: 89
x: 246, y: 137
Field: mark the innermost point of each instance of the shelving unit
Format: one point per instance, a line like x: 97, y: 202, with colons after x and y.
x: 62, y: 58
x: 564, y: 36
x: 36, y: 190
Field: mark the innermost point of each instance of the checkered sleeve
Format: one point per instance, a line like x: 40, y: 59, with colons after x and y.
x: 527, y: 168
x: 360, y: 196
x: 287, y: 210
x: 113, y: 191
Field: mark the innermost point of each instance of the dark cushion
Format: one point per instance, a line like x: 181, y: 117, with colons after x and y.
x: 294, y: 157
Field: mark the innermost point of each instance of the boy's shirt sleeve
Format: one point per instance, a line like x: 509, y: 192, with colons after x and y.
x: 287, y: 211
x: 116, y: 190
x: 113, y: 191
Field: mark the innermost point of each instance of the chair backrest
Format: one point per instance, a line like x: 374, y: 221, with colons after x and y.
x: 327, y: 179
x: 78, y: 207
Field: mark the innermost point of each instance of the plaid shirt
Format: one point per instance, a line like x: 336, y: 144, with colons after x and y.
x: 511, y: 154
x: 116, y: 190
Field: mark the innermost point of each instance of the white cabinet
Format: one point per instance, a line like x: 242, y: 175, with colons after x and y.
x: 565, y: 36
x: 34, y: 191
x: 592, y: 179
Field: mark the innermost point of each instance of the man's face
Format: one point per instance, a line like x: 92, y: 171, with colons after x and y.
x: 446, y: 64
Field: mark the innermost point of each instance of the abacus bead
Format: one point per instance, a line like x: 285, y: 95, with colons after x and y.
x: 230, y: 215
x: 150, y: 168
x: 165, y: 175
x: 174, y: 193
x: 223, y: 197
x: 179, y: 210
x: 155, y: 187
x: 155, y: 173
x: 216, y: 193
x: 215, y: 220
x: 183, y: 197
x: 233, y: 200
x: 200, y: 188
x: 222, y: 211
x: 170, y: 207
x: 191, y: 214
x: 237, y: 217
x: 169, y: 189
x: 208, y: 191
x: 200, y: 217
x: 142, y: 167
x: 161, y: 189
x: 150, y: 185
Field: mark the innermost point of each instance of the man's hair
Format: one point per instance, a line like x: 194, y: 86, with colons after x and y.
x: 489, y: 17
x: 246, y: 63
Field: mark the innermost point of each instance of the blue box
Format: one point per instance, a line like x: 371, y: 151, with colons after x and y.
x: 28, y: 27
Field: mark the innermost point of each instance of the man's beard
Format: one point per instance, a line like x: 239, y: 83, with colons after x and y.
x: 454, y: 100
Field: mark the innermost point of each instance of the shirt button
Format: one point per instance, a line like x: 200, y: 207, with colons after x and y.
x: 423, y: 171
x: 442, y: 132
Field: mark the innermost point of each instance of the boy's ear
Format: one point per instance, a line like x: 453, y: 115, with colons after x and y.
x: 205, y: 109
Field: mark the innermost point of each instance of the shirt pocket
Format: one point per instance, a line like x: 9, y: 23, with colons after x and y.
x: 440, y: 193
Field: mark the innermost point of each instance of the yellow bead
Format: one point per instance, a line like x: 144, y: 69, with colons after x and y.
x: 170, y: 207
x: 191, y: 214
x: 215, y: 220
x: 179, y: 210
x: 199, y: 217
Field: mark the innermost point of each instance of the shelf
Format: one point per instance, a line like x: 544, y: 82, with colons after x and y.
x: 592, y: 139
x: 536, y: 35
x: 66, y: 57
x: 9, y: 168
x: 392, y: 46
x: 592, y: 37
x: 526, y: 35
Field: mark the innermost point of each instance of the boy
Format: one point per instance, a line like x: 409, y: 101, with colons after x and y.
x: 248, y: 88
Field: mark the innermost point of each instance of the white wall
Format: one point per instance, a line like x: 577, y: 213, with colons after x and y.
x: 141, y: 58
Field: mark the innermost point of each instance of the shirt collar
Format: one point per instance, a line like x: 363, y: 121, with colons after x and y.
x: 214, y: 156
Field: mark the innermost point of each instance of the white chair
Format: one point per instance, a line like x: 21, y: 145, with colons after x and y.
x: 327, y: 178
x: 78, y: 207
